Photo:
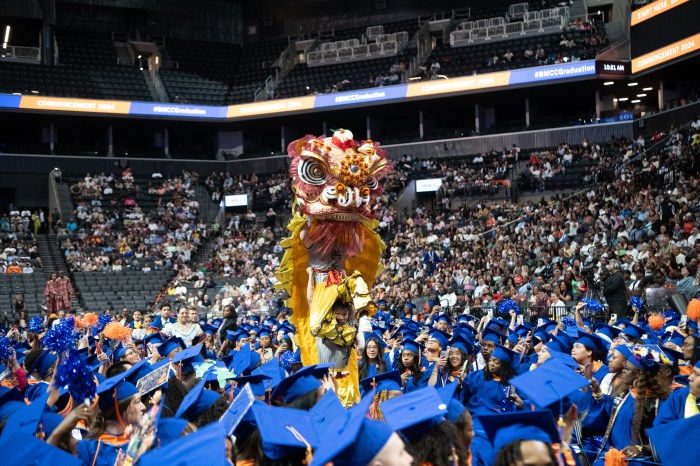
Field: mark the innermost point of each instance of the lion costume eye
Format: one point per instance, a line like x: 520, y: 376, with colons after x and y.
x: 312, y: 172
x: 372, y: 183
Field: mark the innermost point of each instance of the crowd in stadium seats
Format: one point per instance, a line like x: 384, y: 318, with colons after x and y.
x: 123, y: 223
x: 19, y: 253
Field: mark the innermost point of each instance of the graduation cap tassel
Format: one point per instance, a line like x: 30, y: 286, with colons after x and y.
x: 298, y: 436
x: 116, y: 410
x: 269, y: 394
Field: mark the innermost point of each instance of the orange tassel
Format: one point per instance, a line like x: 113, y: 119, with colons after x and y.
x: 615, y: 457
x: 116, y: 331
x: 694, y: 310
x: 656, y: 321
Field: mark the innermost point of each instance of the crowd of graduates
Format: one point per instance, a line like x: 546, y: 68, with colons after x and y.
x: 436, y: 388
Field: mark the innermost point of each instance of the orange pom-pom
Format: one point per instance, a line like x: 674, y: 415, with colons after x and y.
x: 116, y: 331
x: 615, y: 457
x: 78, y: 323
x: 656, y: 321
x: 694, y: 310
x: 89, y: 319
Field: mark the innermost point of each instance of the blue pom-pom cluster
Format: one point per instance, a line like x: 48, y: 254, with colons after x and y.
x: 36, y: 325
x: 61, y: 337
x: 592, y: 305
x: 102, y: 322
x: 637, y: 302
x: 5, y: 348
x: 507, y: 305
x: 77, y: 376
x: 670, y: 314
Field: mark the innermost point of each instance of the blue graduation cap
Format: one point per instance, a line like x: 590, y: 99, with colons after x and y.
x: 390, y: 380
x: 492, y: 335
x: 381, y: 302
x: 273, y: 370
x: 264, y: 332
x: 210, y: 329
x: 593, y: 342
x: 19, y: 447
x: 673, y: 355
x: 504, y: 354
x: 170, y: 345
x: 188, y: 449
x: 296, y: 385
x: 284, y: 431
x: 607, y: 332
x: 444, y: 318
x: 117, y: 387
x: 415, y: 413
x: 258, y: 383
x: 153, y: 338
x: 497, y: 324
x: 504, y: 428
x: 410, y: 345
x: 245, y: 361
x: 43, y: 363
x: 632, y: 331
x: 454, y: 407
x: 546, y: 325
x: 353, y: 439
x: 326, y: 412
x: 549, y: 384
x: 676, y: 442
x: 564, y: 358
x: 237, y: 335
x: 169, y: 429
x: 197, y: 401
x: 410, y: 305
x: 674, y: 337
x: 558, y: 343
x: 461, y: 343
x: 189, y: 355
x: 373, y: 336
x: 440, y: 336
x: 513, y: 338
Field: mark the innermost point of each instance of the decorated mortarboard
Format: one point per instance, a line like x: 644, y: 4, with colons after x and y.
x: 440, y: 336
x: 390, y: 380
x: 676, y: 443
x: 415, y: 413
x: 170, y: 345
x: 238, y: 409
x: 504, y: 354
x: 454, y: 407
x: 22, y: 448
x: 410, y: 345
x: 285, y: 432
x: 504, y: 428
x: 673, y: 355
x: 296, y: 385
x: 188, y: 449
x: 648, y: 358
x: 548, y: 384
x: 197, y: 401
x: 492, y: 335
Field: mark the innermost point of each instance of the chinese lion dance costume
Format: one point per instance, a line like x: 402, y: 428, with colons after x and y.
x: 333, y: 254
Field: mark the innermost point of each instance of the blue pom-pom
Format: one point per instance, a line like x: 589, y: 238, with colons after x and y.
x: 102, y: 322
x: 5, y: 348
x: 637, y: 302
x: 77, y: 376
x: 61, y: 337
x: 670, y: 314
x: 36, y: 325
x: 592, y: 305
x: 569, y: 322
x: 507, y: 305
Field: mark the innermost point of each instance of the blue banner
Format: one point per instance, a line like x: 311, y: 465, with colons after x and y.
x: 10, y: 101
x: 550, y: 72
x: 177, y: 110
x: 362, y: 96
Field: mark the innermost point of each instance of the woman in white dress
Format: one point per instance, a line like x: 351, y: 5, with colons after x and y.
x: 183, y: 328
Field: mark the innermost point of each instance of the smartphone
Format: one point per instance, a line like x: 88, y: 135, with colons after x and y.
x: 425, y: 330
x: 588, y: 371
x: 613, y: 317
x: 443, y: 354
x: 540, y: 322
x: 519, y: 320
x: 490, y: 313
x: 684, y: 320
x: 468, y: 311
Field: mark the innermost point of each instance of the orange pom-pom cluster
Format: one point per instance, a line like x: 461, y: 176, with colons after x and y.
x: 116, y: 331
x: 656, y: 321
x: 615, y: 457
x: 694, y: 310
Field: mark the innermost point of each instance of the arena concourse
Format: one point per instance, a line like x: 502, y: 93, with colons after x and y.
x: 387, y: 234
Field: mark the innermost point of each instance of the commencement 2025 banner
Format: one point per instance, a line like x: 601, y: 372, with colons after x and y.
x: 462, y: 84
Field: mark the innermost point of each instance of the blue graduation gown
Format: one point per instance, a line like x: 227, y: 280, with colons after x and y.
x: 33, y: 392
x: 87, y: 449
x: 673, y: 408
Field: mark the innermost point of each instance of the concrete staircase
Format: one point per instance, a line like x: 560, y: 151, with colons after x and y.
x: 65, y: 203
